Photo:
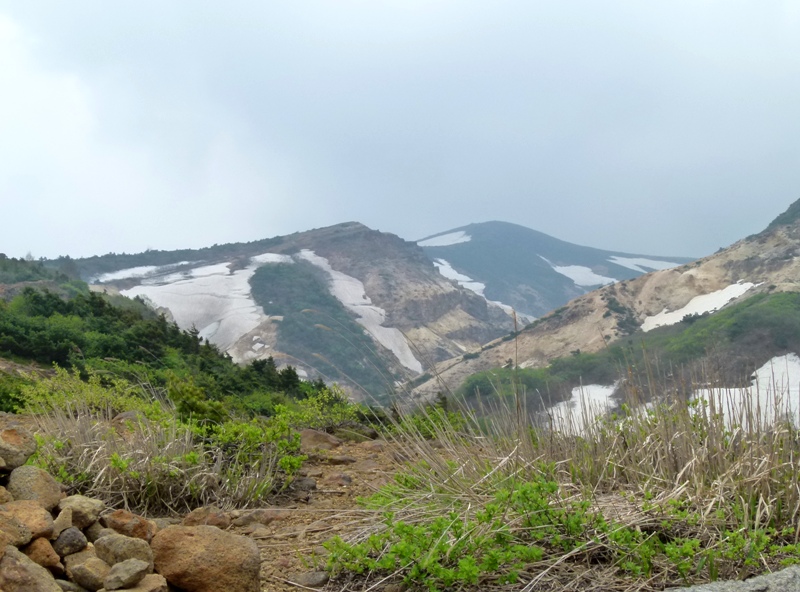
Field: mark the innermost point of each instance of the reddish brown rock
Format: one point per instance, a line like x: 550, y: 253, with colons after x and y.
x: 209, y: 516
x: 5, y: 497
x: 130, y: 525
x: 16, y: 446
x: 16, y: 533
x: 41, y: 551
x: 315, y: 440
x: 31, y: 514
x: 207, y: 559
x: 32, y: 483
x: 18, y: 573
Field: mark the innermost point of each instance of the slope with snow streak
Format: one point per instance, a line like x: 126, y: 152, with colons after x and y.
x: 350, y: 292
x: 641, y: 264
x: 697, y: 305
x: 445, y: 240
x: 580, y: 274
x: 213, y: 299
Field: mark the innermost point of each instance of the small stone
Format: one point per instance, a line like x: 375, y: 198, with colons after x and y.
x: 16, y: 446
x: 31, y: 514
x: 338, y: 480
x: 265, y: 516
x: 116, y: 548
x: 304, y: 484
x: 91, y: 573
x: 62, y: 522
x: 15, y: 532
x: 373, y: 446
x: 69, y: 542
x: 310, y: 579
x: 67, y: 586
x: 316, y: 440
x: 42, y: 552
x: 340, y: 460
x: 18, y: 573
x: 150, y: 583
x: 316, y: 473
x: 126, y: 574
x: 85, y: 510
x: 130, y: 525
x: 209, y: 515
x: 32, y: 483
x: 5, y: 497
x: 395, y: 588
x: 162, y: 523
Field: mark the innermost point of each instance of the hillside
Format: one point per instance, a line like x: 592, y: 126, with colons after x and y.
x: 760, y: 264
x: 342, y: 303
x: 528, y: 270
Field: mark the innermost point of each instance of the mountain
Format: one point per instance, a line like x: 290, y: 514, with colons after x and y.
x: 344, y: 303
x: 528, y: 270
x: 766, y: 263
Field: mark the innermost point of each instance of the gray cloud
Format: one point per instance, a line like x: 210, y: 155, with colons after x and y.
x: 660, y: 127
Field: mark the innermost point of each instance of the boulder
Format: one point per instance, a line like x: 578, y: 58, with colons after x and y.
x: 31, y: 514
x: 13, y: 531
x: 69, y: 542
x: 5, y: 497
x: 16, y: 446
x: 62, y: 522
x: 42, y: 552
x: 18, y: 573
x: 126, y: 574
x: 85, y: 510
x: 209, y: 515
x: 151, y: 583
x: 130, y: 525
x: 207, y: 559
x: 116, y: 548
x: 67, y: 586
x: 90, y: 573
x: 316, y: 440
x: 32, y: 483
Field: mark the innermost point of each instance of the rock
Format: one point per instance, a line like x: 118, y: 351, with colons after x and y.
x: 315, y: 440
x: 126, y: 574
x: 41, y: 552
x: 62, y: 522
x: 374, y: 445
x: 97, y: 530
x: 18, y: 573
x: 74, y: 560
x: 32, y: 483
x: 5, y: 497
x: 116, y: 548
x: 210, y: 515
x: 310, y: 579
x: 304, y: 484
x: 69, y: 542
x: 151, y: 583
x: 367, y: 465
x: 207, y: 559
x: 16, y: 446
x: 395, y: 588
x: 91, y: 573
x: 67, y: 586
x: 263, y: 516
x: 339, y: 460
x: 16, y: 533
x: 162, y: 523
x: 31, y: 514
x: 786, y: 580
x: 338, y: 480
x: 85, y: 510
x: 130, y: 525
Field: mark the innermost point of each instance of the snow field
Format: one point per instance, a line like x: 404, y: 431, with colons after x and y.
x: 445, y: 240
x: 581, y: 275
x: 697, y: 305
x: 587, y: 404
x: 641, y: 264
x: 350, y: 292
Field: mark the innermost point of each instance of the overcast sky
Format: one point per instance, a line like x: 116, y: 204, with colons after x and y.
x: 666, y: 127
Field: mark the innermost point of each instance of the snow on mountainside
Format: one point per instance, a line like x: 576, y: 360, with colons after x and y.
x: 766, y: 262
x: 309, y: 299
x: 529, y: 271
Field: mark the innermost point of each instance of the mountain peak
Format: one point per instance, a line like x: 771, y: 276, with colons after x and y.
x: 791, y: 215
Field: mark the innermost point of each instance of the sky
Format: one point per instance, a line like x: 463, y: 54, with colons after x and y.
x: 666, y: 127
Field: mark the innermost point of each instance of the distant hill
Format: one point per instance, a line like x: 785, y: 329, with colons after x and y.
x: 766, y: 263
x: 528, y: 270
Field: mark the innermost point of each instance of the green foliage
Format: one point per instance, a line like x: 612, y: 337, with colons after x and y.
x: 325, y: 409
x: 316, y: 326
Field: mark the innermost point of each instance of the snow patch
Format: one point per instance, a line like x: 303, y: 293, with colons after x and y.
x: 581, y: 275
x: 211, y: 298
x: 445, y: 240
x: 697, y: 305
x: 640, y: 263
x: 272, y: 258
x: 478, y: 287
x: 774, y: 393
x: 587, y: 404
x: 350, y: 292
